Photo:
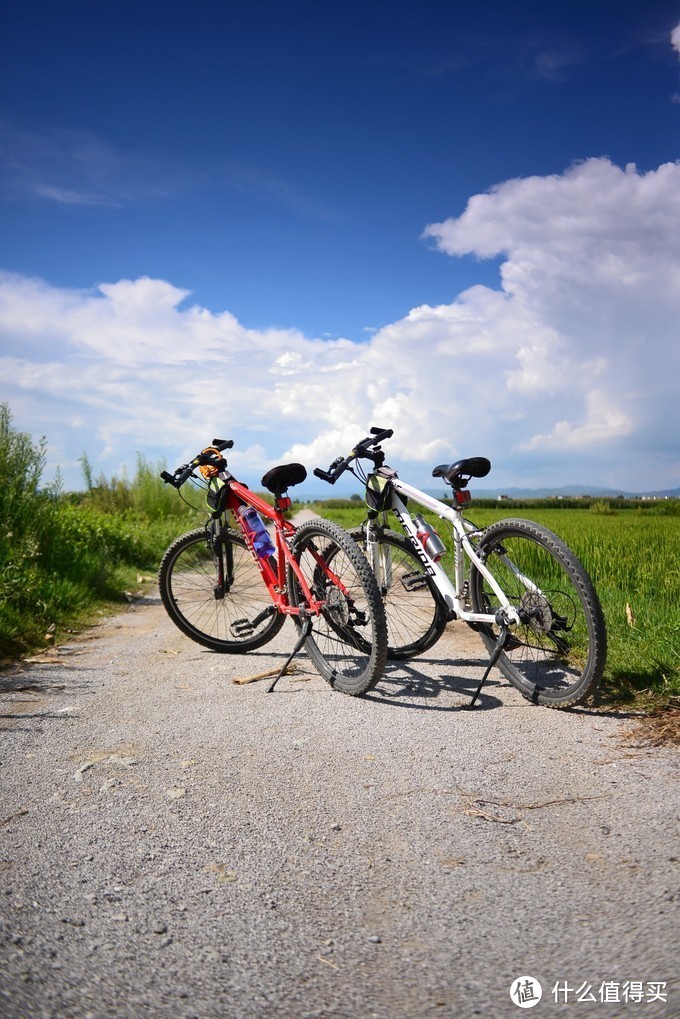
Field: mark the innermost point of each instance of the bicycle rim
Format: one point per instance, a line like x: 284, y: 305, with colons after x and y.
x: 348, y: 641
x: 556, y: 655
x: 236, y: 618
x: 415, y: 621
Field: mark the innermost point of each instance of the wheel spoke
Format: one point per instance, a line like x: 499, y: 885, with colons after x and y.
x: 233, y: 617
x: 414, y: 620
x: 556, y: 653
x: 348, y: 640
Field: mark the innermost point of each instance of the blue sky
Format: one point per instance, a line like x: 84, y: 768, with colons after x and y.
x: 285, y: 223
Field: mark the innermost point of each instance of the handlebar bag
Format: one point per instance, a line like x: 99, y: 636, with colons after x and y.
x: 377, y: 495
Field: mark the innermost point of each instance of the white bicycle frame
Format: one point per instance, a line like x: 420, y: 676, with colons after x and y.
x: 453, y: 594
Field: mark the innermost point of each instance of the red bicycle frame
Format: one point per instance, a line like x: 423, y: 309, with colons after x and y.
x: 275, y: 578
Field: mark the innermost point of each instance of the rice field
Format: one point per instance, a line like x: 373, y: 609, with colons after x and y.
x: 633, y: 558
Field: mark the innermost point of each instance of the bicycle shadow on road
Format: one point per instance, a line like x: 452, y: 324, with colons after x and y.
x: 406, y: 686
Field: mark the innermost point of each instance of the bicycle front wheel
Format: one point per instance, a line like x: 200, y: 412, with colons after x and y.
x: 213, y: 591
x: 348, y: 640
x: 557, y: 653
x: 415, y: 621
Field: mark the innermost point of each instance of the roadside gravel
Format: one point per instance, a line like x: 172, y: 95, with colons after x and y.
x: 175, y: 845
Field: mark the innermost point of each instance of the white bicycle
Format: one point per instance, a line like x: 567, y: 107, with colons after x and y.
x: 515, y: 582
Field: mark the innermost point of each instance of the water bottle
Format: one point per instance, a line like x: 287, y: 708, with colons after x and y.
x: 429, y: 539
x: 257, y: 532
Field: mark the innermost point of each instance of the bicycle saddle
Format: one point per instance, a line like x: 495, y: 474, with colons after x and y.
x: 461, y: 471
x: 280, y: 478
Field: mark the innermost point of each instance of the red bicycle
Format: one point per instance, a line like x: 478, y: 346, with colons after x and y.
x: 230, y: 588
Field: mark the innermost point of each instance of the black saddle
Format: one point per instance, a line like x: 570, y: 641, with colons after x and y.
x: 279, y: 479
x: 459, y: 473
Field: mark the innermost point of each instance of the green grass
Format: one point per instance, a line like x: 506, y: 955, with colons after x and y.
x: 633, y: 558
x: 66, y: 558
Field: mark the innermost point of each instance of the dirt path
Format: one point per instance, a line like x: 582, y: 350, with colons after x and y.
x: 174, y: 845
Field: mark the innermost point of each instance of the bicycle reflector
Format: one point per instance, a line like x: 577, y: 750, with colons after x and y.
x: 209, y: 470
x: 462, y: 497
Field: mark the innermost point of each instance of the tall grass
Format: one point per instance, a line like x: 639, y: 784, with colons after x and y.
x: 62, y: 556
x: 633, y: 558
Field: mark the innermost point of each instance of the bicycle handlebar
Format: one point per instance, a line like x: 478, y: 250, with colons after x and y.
x: 204, y: 458
x: 362, y: 450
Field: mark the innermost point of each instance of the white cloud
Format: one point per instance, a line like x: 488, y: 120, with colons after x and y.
x: 603, y: 422
x: 675, y: 38
x: 567, y: 373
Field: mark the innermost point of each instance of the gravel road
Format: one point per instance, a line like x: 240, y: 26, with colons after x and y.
x: 175, y: 845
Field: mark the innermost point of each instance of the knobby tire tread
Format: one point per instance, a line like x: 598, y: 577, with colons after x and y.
x: 326, y: 645
x: 584, y: 686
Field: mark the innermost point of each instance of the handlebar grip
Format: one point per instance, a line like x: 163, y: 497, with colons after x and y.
x: 324, y: 475
x: 382, y: 433
x: 167, y: 478
x: 223, y: 444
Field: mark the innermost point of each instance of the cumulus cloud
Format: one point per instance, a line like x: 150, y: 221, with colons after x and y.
x: 675, y: 38
x: 567, y: 372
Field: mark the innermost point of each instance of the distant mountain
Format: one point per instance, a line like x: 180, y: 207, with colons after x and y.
x: 565, y: 492
x: 568, y: 492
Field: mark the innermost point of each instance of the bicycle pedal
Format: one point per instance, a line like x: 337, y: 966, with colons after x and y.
x: 414, y: 581
x: 242, y: 628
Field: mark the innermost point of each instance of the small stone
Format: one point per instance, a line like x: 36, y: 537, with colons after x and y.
x: 176, y: 794
x: 375, y: 939
x: 159, y: 928
x: 336, y: 827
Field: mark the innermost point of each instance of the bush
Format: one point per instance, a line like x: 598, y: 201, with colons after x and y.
x: 61, y: 555
x: 602, y: 508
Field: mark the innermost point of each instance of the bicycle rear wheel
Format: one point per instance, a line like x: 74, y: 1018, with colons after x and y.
x: 232, y: 616
x: 557, y: 653
x: 348, y: 641
x: 415, y: 621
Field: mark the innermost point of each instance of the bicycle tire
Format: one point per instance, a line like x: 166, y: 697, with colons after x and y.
x: 556, y: 655
x: 348, y: 640
x: 242, y: 619
x: 415, y: 620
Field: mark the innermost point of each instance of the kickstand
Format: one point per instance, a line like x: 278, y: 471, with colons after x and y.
x: 500, y: 644
x: 304, y: 634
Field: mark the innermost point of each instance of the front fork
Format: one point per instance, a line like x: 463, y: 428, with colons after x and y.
x: 379, y: 556
x: 223, y: 557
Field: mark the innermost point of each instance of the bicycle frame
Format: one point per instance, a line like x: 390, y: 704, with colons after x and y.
x: 452, y: 594
x: 275, y: 579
